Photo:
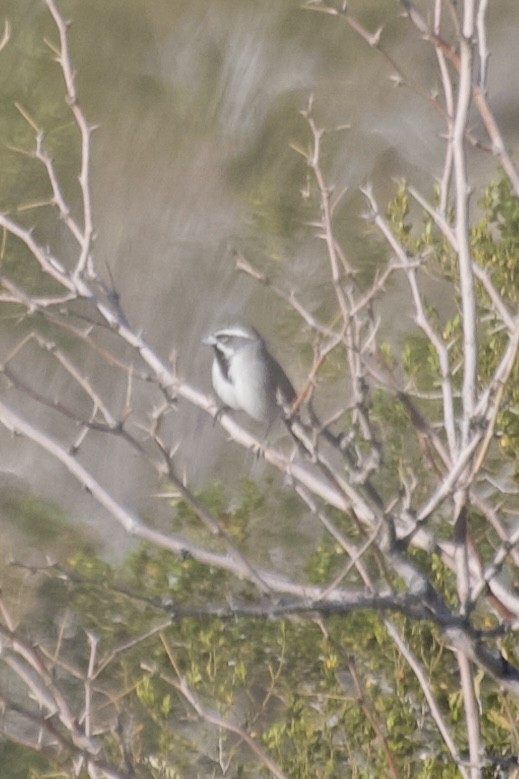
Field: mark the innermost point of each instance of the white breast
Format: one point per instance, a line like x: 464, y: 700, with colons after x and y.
x: 223, y: 388
x: 250, y: 386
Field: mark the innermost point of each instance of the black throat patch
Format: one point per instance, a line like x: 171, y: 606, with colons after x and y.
x: 223, y: 362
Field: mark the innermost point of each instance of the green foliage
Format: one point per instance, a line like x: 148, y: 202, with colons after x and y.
x: 328, y: 698
x: 271, y: 175
x: 397, y: 214
x: 37, y: 519
x: 420, y: 361
x: 31, y: 93
x: 234, y: 516
x: 496, y: 237
x: 495, y: 247
x: 403, y: 451
x: 495, y: 241
x: 19, y: 763
x: 323, y: 562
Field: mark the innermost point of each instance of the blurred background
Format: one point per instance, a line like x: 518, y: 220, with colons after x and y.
x: 197, y: 104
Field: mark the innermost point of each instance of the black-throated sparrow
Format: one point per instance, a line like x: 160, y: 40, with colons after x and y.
x: 245, y: 375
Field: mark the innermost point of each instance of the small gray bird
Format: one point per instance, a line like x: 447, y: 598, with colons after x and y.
x: 245, y: 375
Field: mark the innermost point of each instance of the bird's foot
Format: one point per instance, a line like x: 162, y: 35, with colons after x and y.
x: 259, y: 449
x: 219, y: 414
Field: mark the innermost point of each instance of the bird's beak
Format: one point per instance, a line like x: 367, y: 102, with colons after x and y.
x: 210, y: 340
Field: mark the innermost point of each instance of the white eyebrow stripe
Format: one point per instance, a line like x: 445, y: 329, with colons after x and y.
x: 235, y: 332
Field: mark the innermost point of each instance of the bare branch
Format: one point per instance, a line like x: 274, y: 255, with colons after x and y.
x: 63, y: 57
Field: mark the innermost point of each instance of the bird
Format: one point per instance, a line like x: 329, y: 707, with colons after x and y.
x: 246, y: 377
